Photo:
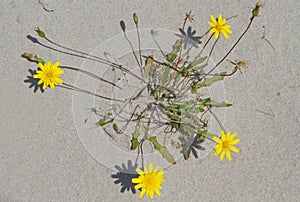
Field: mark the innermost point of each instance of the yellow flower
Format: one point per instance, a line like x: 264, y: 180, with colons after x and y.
x: 219, y: 26
x: 49, y: 74
x: 225, y: 144
x: 149, y: 181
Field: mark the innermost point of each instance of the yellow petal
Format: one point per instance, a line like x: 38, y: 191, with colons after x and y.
x: 160, y: 173
x: 145, y: 169
x: 226, y: 36
x: 212, y: 30
x: 223, y: 22
x: 56, y: 64
x: 218, y: 151
x: 217, y: 34
x: 157, y: 192
x: 222, y: 155
x: 150, y: 167
x: 223, y: 135
x: 142, y: 193
x: 44, y: 86
x: 228, y: 155
x: 151, y: 194
x: 41, y: 66
x: 213, y: 19
x: 216, y: 139
x: 51, y: 85
x: 211, y: 23
x: 232, y: 137
x: 139, y: 171
x: 220, y: 18
x: 40, y: 82
x: 233, y: 142
x: 228, y: 135
x: 136, y: 180
x: 233, y: 148
x: 138, y: 186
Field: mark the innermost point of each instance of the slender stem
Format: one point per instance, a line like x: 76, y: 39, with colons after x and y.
x: 90, y: 93
x: 90, y: 74
x: 139, y: 42
x: 187, y: 52
x: 182, y: 34
x: 201, y: 50
x: 120, y: 67
x: 251, y: 20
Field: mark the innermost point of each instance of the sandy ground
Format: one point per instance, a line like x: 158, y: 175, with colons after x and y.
x: 42, y: 157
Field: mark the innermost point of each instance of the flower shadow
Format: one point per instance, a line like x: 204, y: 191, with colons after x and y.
x: 189, y: 37
x: 33, y: 82
x: 124, y: 176
x: 190, y: 144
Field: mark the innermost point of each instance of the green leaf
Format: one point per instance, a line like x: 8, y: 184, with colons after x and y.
x: 162, y: 149
x: 107, y: 119
x: 211, y: 103
x: 209, y: 81
x: 165, y: 75
x: 134, y: 141
x: 171, y: 57
x: 104, y: 121
x: 116, y: 128
x: 198, y: 109
x: 199, y: 61
x: 143, y: 113
x: 197, y: 68
x: 188, y: 128
x: 176, y: 46
x: 205, y: 134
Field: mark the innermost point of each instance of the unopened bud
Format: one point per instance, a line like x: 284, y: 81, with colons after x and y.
x: 135, y: 18
x: 40, y: 32
x: 255, y: 11
x: 33, y: 58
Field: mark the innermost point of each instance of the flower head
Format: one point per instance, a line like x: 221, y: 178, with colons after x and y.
x: 149, y: 181
x: 49, y: 74
x: 218, y: 25
x: 225, y: 144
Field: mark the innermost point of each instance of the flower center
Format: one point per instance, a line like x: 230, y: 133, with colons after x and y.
x: 219, y: 27
x: 225, y: 144
x: 149, y: 180
x: 49, y: 75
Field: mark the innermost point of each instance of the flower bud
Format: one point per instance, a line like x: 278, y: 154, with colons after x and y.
x: 255, y: 11
x: 40, y: 32
x: 135, y: 18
